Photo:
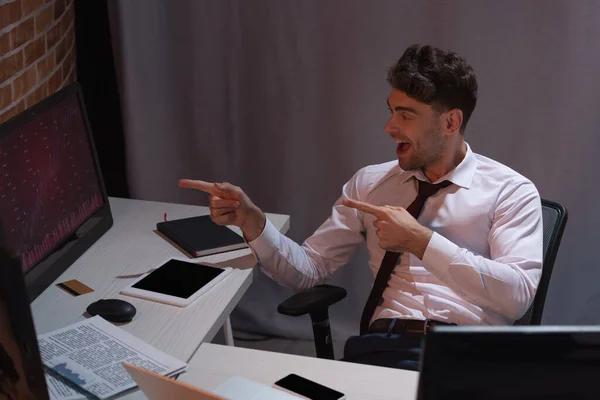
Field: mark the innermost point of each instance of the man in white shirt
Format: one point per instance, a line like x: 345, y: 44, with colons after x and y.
x: 472, y: 255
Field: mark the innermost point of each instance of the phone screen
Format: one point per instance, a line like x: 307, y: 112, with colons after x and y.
x: 307, y: 388
x: 178, y: 278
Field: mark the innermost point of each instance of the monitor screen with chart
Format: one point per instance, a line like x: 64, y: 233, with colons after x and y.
x: 53, y: 204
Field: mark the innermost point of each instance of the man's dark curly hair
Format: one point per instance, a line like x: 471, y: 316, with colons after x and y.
x: 436, y: 77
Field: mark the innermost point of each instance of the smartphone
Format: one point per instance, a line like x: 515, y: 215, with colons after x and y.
x: 309, y: 389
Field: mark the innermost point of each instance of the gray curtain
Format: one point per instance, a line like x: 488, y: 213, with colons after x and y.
x: 287, y: 100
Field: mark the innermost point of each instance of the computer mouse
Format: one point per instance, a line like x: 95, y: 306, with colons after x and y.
x: 113, y: 310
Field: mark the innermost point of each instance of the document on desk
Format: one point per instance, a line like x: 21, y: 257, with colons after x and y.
x: 60, y: 388
x: 91, y: 353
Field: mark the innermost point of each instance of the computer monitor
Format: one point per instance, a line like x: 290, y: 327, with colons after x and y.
x: 21, y: 373
x: 53, y: 204
x: 510, y: 363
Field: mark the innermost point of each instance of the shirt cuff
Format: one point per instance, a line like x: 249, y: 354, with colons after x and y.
x: 266, y: 243
x: 439, y: 254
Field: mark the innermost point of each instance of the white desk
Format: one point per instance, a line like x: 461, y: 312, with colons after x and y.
x: 213, y: 364
x: 132, y: 246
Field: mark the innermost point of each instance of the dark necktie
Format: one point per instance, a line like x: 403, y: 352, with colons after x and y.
x: 390, y: 259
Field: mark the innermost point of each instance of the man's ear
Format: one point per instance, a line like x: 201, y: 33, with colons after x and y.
x: 452, y: 121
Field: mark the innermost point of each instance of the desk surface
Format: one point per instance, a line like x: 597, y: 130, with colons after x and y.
x: 213, y: 364
x: 131, y: 247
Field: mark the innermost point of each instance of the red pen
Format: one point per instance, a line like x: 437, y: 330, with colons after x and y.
x: 165, y: 217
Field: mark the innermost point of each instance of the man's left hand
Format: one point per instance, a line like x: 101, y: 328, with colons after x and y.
x: 397, y: 230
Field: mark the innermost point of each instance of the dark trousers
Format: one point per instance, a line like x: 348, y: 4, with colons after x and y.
x: 385, y: 350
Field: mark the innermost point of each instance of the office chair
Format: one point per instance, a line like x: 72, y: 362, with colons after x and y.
x: 316, y: 301
x: 554, y: 217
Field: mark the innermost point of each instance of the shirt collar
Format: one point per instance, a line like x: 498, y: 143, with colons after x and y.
x: 462, y: 175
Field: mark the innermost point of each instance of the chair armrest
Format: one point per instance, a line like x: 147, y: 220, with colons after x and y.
x: 309, y: 301
x: 316, y: 301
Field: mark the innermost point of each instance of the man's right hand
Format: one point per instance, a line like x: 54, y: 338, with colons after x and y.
x: 229, y: 205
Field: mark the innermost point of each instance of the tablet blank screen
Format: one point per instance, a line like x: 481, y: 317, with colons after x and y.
x: 178, y: 278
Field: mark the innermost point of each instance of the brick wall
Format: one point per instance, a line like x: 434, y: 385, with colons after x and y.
x: 37, y: 51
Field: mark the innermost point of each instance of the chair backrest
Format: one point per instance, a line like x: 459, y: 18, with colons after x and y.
x: 554, y: 219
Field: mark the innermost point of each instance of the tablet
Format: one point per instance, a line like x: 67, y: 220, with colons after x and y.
x: 176, y: 282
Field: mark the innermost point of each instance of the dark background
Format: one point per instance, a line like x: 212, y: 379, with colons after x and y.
x: 96, y: 74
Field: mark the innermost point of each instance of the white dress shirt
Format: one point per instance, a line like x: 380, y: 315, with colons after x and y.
x: 481, y: 266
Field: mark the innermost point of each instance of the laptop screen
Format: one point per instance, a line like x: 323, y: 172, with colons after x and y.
x: 511, y: 363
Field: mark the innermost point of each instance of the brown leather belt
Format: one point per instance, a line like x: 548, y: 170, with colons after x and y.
x: 400, y: 326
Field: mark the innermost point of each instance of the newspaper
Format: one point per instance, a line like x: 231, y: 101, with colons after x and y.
x: 61, y: 389
x: 91, y: 355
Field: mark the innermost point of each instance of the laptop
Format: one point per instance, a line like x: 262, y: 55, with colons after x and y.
x: 158, y: 387
x: 511, y: 363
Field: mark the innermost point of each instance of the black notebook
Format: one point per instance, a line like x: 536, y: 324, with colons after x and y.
x: 199, y: 236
